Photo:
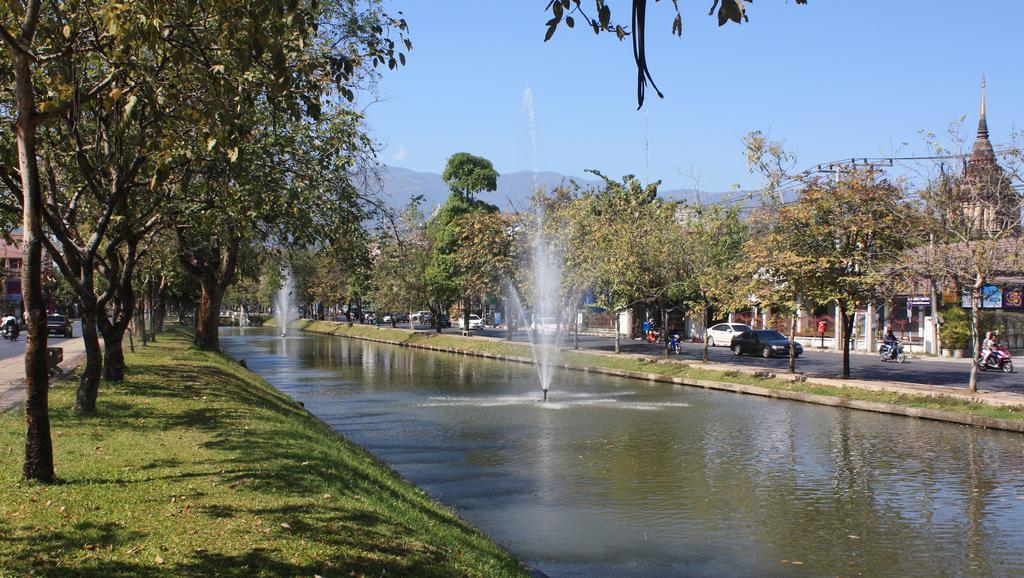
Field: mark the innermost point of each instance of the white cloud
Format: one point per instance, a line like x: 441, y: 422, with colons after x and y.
x: 400, y: 154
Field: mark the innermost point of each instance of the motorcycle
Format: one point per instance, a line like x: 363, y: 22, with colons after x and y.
x: 1000, y: 359
x: 9, y: 331
x: 673, y: 343
x: 890, y: 351
x: 653, y: 335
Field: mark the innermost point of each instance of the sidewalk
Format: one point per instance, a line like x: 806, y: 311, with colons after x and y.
x: 12, y: 369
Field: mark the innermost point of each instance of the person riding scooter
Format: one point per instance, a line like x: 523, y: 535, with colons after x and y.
x: 988, y: 347
x: 9, y: 326
x: 890, y: 341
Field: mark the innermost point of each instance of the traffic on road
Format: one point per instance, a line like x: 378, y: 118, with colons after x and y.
x: 917, y: 369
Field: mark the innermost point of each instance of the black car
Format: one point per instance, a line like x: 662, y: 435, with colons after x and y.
x: 443, y: 320
x: 766, y: 342
x: 401, y: 318
x: 58, y: 325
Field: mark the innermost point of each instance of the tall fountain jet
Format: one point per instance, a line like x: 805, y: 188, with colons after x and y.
x: 546, y: 318
x: 285, y: 300
x: 547, y: 304
x: 545, y: 289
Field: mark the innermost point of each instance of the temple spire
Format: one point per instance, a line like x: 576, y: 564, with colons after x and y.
x: 982, y: 122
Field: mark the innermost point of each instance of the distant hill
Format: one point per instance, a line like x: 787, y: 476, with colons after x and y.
x: 398, y: 185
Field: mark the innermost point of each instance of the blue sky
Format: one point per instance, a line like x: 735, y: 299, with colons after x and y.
x: 833, y: 79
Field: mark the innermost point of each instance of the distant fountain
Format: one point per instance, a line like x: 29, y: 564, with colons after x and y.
x: 285, y: 302
x: 243, y: 315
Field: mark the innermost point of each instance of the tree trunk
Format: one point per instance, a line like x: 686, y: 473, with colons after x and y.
x: 509, y: 323
x: 576, y: 330
x: 38, y: 443
x: 113, y: 355
x: 89, y: 382
x: 847, y: 331
x: 617, y: 336
x: 707, y: 323
x: 139, y: 320
x: 151, y: 310
x: 664, y: 328
x: 207, y: 330
x: 972, y: 383
x: 159, y: 307
x: 792, y: 344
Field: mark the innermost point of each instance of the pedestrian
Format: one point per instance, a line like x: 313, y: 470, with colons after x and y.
x: 822, y: 324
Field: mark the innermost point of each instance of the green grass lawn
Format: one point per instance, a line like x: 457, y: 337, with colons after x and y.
x: 196, y: 467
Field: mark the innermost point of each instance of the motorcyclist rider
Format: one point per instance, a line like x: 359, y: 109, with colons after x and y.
x: 890, y: 341
x: 988, y: 347
x: 9, y: 323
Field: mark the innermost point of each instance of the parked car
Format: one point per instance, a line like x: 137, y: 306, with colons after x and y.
x: 401, y: 317
x: 723, y: 333
x: 475, y: 322
x: 421, y: 317
x: 766, y: 342
x: 442, y: 321
x: 544, y: 326
x: 386, y: 318
x: 58, y: 325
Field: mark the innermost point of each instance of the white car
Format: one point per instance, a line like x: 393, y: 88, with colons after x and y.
x: 421, y: 317
x: 544, y: 325
x: 722, y: 334
x: 474, y: 322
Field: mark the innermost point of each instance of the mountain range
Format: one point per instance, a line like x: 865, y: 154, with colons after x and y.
x: 397, y: 185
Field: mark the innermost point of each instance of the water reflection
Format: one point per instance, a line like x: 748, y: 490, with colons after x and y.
x: 617, y: 477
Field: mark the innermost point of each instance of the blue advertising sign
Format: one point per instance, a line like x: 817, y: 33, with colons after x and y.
x: 991, y: 297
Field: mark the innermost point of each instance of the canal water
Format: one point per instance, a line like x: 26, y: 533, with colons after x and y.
x: 617, y: 477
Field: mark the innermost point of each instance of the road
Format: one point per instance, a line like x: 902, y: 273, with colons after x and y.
x: 919, y: 370
x: 12, y: 363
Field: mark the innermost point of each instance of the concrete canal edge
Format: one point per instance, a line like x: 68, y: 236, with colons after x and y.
x: 340, y: 330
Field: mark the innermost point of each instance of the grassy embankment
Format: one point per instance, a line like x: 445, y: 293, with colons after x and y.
x: 194, y: 466
x: 691, y: 373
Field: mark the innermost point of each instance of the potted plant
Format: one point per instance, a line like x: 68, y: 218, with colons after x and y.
x: 955, y: 331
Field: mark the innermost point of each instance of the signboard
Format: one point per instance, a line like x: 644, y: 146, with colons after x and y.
x: 918, y: 301
x: 991, y: 297
x: 1013, y: 298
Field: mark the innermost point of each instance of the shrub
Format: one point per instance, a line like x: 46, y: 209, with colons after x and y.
x: 956, y: 327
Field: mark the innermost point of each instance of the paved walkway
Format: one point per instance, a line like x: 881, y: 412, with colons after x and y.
x: 12, y: 364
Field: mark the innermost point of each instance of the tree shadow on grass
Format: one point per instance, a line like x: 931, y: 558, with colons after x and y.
x: 40, y: 552
x: 287, y: 457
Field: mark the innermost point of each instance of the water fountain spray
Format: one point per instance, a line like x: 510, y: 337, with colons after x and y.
x: 545, y: 306
x: 285, y: 300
